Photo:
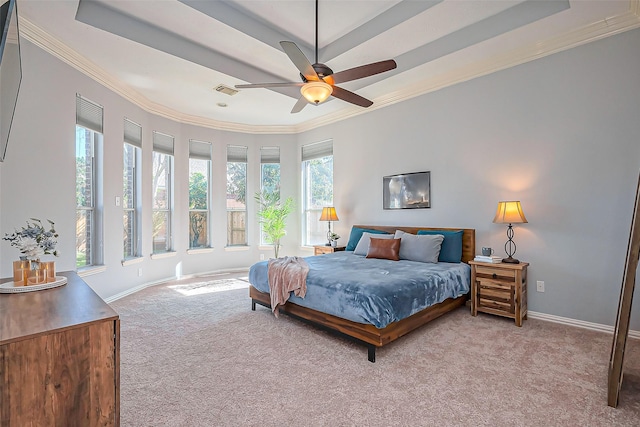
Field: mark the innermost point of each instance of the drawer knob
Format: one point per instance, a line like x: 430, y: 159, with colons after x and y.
x: 495, y: 276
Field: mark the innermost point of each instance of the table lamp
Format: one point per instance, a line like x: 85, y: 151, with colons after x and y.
x: 510, y: 212
x: 329, y: 214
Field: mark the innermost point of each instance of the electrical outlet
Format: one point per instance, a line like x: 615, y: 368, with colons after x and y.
x: 540, y: 286
x: 117, y: 200
x: 261, y: 257
x: 140, y: 272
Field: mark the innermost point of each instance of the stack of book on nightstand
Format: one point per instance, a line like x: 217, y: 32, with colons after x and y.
x: 490, y: 259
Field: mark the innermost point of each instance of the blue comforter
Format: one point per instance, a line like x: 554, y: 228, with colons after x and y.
x: 374, y: 291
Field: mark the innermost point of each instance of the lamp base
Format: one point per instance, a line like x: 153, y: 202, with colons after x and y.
x: 510, y: 260
x: 327, y: 244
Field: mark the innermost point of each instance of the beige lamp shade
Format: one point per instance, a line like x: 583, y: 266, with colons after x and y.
x: 329, y: 214
x: 316, y: 92
x: 509, y: 212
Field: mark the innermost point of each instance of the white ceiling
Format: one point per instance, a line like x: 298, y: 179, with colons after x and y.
x: 168, y: 55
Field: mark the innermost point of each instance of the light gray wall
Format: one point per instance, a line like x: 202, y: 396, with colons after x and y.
x: 38, y: 178
x: 560, y: 134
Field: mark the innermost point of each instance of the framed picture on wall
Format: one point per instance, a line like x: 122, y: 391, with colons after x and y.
x: 407, y: 191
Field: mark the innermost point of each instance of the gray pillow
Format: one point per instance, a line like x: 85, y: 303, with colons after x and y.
x: 422, y: 248
x: 362, y: 248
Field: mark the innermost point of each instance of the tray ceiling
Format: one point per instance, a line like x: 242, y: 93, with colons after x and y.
x: 169, y: 55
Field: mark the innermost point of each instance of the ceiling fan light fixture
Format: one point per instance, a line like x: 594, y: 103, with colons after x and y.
x: 316, y: 92
x: 319, y: 80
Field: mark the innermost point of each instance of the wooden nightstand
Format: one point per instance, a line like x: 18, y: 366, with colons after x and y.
x: 499, y: 289
x: 323, y: 249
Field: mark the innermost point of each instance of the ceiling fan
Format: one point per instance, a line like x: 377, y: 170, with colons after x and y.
x: 318, y: 80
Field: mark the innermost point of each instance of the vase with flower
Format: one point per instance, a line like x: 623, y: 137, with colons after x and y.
x: 34, y: 241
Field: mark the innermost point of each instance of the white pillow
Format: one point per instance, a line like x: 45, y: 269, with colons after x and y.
x: 362, y: 248
x: 422, y: 248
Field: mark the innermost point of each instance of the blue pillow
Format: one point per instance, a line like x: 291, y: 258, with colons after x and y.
x: 356, y: 234
x: 451, y: 249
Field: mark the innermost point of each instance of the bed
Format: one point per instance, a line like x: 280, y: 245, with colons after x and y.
x: 344, y: 279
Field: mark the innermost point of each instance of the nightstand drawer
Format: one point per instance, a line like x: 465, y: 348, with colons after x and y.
x: 495, y: 274
x: 494, y: 289
x: 323, y: 249
x: 496, y: 295
x: 504, y: 307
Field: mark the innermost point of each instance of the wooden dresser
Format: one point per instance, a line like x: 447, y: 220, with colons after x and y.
x: 59, y: 358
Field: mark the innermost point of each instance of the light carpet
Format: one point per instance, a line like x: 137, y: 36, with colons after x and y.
x: 194, y: 354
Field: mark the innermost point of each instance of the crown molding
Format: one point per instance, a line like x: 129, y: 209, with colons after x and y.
x: 58, y: 49
x: 55, y: 47
x: 600, y: 29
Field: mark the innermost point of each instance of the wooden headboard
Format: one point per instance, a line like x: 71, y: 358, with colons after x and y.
x: 468, y: 236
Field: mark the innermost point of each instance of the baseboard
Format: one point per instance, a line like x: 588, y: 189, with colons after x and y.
x: 578, y: 323
x: 138, y: 288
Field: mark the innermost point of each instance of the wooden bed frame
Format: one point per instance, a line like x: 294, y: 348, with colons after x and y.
x: 368, y: 334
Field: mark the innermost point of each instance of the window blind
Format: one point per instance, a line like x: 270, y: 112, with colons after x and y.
x: 236, y: 153
x: 199, y: 150
x: 270, y: 155
x: 317, y: 150
x: 88, y: 114
x: 162, y: 143
x: 132, y: 133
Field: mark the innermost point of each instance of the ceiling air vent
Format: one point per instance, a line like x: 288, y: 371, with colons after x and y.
x: 226, y: 90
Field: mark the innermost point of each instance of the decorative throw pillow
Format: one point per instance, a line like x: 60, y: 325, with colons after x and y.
x: 363, y: 245
x: 356, y: 234
x: 451, y: 250
x: 384, y: 249
x: 419, y: 248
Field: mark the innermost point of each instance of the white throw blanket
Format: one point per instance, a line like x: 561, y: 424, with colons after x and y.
x: 285, y: 275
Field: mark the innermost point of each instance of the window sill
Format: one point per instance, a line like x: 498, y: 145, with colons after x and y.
x: 131, y: 261
x: 236, y: 248
x: 307, y: 248
x: 199, y: 251
x: 163, y: 255
x: 265, y: 247
x: 91, y: 270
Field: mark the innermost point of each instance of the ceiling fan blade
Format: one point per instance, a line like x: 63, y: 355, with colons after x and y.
x: 302, y: 102
x: 299, y: 60
x: 256, y: 85
x: 351, y: 97
x: 364, y: 71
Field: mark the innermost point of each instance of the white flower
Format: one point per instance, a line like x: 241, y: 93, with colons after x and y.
x: 35, y: 253
x: 26, y: 244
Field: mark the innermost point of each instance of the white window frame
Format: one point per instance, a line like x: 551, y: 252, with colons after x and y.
x: 268, y: 156
x: 133, y: 141
x: 201, y: 150
x: 89, y: 118
x: 238, y: 154
x: 317, y: 150
x: 163, y: 146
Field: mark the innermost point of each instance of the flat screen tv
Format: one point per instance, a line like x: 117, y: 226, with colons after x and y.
x: 407, y: 191
x: 10, y: 69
